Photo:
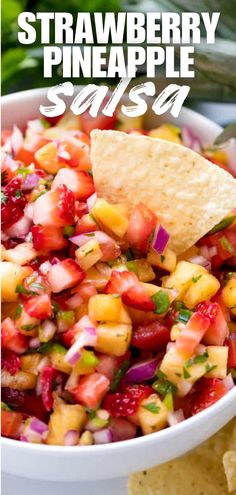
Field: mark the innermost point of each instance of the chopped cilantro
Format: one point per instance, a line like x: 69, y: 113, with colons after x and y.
x: 200, y: 358
x: 24, y: 171
x: 162, y: 258
x: 195, y: 279
x: 36, y: 285
x: 210, y: 368
x: 42, y: 349
x: 150, y: 238
x: 161, y: 301
x: 164, y: 387
x: 3, y: 198
x: 184, y: 315
x: 18, y: 311
x: 4, y: 176
x: 160, y: 374
x: 28, y: 328
x: 20, y: 289
x: 89, y: 252
x: 152, y: 407
x: 90, y: 234
x: 168, y: 401
x: 227, y: 245
x: 118, y: 374
x: 5, y: 406
x: 226, y: 222
x: 55, y: 307
x: 18, y: 193
x: 68, y: 230
x: 90, y: 173
x: 132, y: 266
x: 186, y: 373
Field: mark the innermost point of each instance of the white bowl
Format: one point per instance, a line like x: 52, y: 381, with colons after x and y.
x: 100, y: 462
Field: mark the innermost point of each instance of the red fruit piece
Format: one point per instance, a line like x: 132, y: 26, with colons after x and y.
x: 231, y: 344
x: 141, y: 228
x: 218, y: 328
x: 127, y: 403
x: 138, y: 298
x: 10, y: 423
x: 55, y: 207
x: 120, y: 282
x: 48, y: 238
x: 91, y: 390
x: 47, y: 381
x: 100, y: 122
x: 78, y: 181
x: 13, y: 203
x: 207, y: 392
x: 11, y: 362
x: 193, y: 333
x: 65, y: 275
x: 151, y: 336
x: 12, y: 340
x: 39, y: 307
x: 15, y: 398
x: 86, y: 224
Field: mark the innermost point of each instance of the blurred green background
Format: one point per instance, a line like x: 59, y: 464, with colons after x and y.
x: 22, y: 67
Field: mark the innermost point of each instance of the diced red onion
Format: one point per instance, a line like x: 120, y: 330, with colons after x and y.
x: 45, y: 361
x: 7, y: 162
x: 175, y: 417
x: 23, y: 438
x: 200, y: 260
x: 45, y: 267
x: 109, y: 247
x: 16, y: 140
x: 29, y: 210
x: 74, y: 301
x: 55, y: 260
x: 160, y: 239
x: 30, y: 182
x: 142, y: 371
x: 34, y: 431
x: 103, y: 414
x: 34, y: 343
x: 228, y: 382
x: 38, y: 388
x: 38, y: 426
x: 86, y: 337
x: 91, y: 201
x: 62, y: 154
x: 190, y: 140
x: 48, y: 329
x: 103, y: 436
x: 184, y: 387
x: 71, y: 438
x: 20, y: 228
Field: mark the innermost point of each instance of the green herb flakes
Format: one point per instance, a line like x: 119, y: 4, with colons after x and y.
x: 161, y: 301
x: 152, y: 408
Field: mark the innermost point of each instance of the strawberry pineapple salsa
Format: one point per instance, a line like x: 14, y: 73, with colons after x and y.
x: 106, y: 334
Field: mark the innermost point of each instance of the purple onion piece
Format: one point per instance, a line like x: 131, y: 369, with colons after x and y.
x: 30, y: 182
x: 71, y: 438
x: 103, y: 436
x: 142, y: 371
x: 160, y: 239
x: 38, y: 426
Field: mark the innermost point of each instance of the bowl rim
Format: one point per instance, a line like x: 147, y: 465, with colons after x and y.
x: 144, y: 440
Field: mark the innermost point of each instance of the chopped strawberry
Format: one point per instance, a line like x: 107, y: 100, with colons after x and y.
x: 86, y: 224
x: 126, y: 403
x: 12, y: 340
x: 85, y: 290
x: 122, y: 429
x: 13, y: 203
x: 231, y: 344
x: 193, y: 333
x: 141, y: 228
x: 65, y: 275
x: 39, y: 307
x: 151, y: 336
x: 91, y: 390
x: 138, y: 298
x: 27, y: 401
x: 11, y: 362
x: 48, y: 238
x: 78, y: 181
x: 55, y: 207
x: 47, y: 381
x: 225, y: 244
x: 120, y: 282
x: 100, y: 122
x: 107, y: 365
x: 81, y: 209
x: 15, y: 398
x: 218, y: 328
x: 207, y: 392
x: 10, y: 423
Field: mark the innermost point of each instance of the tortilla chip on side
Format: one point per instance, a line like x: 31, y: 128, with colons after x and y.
x: 189, y: 194
x: 229, y: 461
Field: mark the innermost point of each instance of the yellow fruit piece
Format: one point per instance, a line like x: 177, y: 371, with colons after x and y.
x: 113, y: 338
x: 3, y: 251
x: 110, y: 216
x: 47, y: 158
x: 88, y: 254
x: 30, y: 362
x: 129, y: 123
x: 166, y: 261
x: 168, y: 132
x: 82, y: 369
x: 176, y: 331
x: 229, y: 295
x: 64, y: 418
x: 138, y: 316
x: 172, y: 365
x: 143, y: 270
x: 218, y: 357
x: 86, y: 438
x: 20, y: 254
x: 69, y: 122
x: 26, y: 324
x: 108, y: 307
x: 152, y: 414
x: 181, y: 278
x: 190, y: 253
x: 12, y: 275
x: 203, y: 287
x: 20, y: 381
x: 57, y: 357
x: 96, y: 277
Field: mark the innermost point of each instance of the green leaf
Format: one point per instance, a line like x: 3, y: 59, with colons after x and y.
x: 20, y: 289
x: 132, y: 266
x: 15, y: 60
x: 18, y: 311
x: 164, y: 387
x: 118, y: 374
x: 226, y: 222
x: 152, y: 407
x: 168, y: 401
x: 161, y: 301
x: 184, y: 315
x: 5, y: 406
x: 200, y: 358
x: 195, y: 279
x: 186, y: 373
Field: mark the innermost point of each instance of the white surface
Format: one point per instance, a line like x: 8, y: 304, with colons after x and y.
x: 118, y: 459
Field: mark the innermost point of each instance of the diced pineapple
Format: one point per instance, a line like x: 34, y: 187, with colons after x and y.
x: 113, y: 338
x: 166, y: 261
x: 153, y: 289
x: 98, y: 279
x: 203, y: 287
x: 21, y: 254
x: 3, y: 251
x: 172, y: 365
x: 87, y: 363
x: 47, y: 158
x: 26, y: 324
x: 176, y: 330
x: 152, y: 414
x: 138, y: 316
x: 88, y: 254
x: 168, y: 132
x: 142, y: 268
x: 86, y: 438
x: 30, y: 362
x: 11, y: 276
x: 229, y: 295
x: 20, y: 381
x: 57, y: 356
x: 108, y: 307
x: 129, y: 123
x: 217, y: 360
x: 181, y: 278
x: 110, y: 216
x: 69, y: 122
x: 64, y: 418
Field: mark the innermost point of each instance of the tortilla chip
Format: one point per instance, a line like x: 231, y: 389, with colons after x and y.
x: 229, y: 461
x: 189, y: 194
x: 200, y: 472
